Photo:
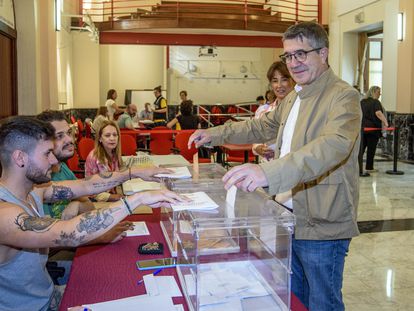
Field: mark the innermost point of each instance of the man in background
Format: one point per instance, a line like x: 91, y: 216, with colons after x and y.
x: 160, y: 108
x: 146, y: 114
x: 125, y: 120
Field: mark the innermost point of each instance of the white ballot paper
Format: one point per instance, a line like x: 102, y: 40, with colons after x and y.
x: 154, y: 285
x: 231, y: 200
x: 145, y: 302
x: 178, y: 173
x: 140, y: 228
x: 199, y: 201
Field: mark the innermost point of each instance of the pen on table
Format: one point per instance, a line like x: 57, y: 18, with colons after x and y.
x: 154, y: 273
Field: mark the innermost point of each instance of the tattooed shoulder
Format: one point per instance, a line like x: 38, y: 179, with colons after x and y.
x: 25, y: 222
x: 61, y: 193
x: 106, y: 174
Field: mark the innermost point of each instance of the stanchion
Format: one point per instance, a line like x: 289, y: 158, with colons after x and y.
x: 394, y: 170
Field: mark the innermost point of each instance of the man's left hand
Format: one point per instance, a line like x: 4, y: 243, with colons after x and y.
x: 246, y: 177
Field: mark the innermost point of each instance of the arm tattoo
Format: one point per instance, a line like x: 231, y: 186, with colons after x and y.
x: 61, y: 193
x: 25, y: 222
x: 69, y: 239
x: 105, y: 185
x: 91, y: 222
x: 106, y: 175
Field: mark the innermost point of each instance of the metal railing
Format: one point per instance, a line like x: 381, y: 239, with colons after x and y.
x: 241, y: 112
x: 249, y: 11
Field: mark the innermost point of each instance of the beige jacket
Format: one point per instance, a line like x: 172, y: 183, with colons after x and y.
x: 322, y: 167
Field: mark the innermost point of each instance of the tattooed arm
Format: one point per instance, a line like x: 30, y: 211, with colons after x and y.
x: 70, y: 189
x: 19, y: 229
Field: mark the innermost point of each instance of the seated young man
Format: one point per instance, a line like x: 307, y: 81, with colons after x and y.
x: 26, y: 157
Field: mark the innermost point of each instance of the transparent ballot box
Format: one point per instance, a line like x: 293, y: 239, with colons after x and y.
x: 235, y: 259
x: 205, y: 171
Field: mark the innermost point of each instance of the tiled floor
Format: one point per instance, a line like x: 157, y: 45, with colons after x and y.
x: 379, y: 270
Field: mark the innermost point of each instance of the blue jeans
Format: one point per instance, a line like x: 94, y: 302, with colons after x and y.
x: 318, y: 268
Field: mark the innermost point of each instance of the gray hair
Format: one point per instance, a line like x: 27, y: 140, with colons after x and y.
x: 317, y: 36
x: 371, y: 91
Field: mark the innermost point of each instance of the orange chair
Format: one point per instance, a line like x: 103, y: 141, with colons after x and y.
x: 181, y: 141
x: 161, y: 143
x: 128, y: 145
x: 85, y: 146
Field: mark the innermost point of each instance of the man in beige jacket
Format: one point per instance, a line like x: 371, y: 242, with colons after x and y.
x: 317, y: 141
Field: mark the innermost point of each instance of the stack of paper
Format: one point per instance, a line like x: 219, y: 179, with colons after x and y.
x: 178, y: 173
x: 140, y: 228
x: 137, y: 185
x: 142, y: 302
x: 199, y: 201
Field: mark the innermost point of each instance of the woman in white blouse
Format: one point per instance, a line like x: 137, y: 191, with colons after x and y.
x: 281, y: 84
x: 110, y: 104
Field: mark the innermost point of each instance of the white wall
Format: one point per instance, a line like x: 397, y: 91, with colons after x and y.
x: 131, y: 67
x: 86, y: 71
x: 343, y: 30
x: 207, y: 86
x: 36, y: 56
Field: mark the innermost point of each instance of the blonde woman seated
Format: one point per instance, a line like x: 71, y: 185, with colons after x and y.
x: 106, y: 156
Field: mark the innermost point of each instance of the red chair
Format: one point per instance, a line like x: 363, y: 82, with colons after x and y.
x: 218, y: 120
x: 237, y: 156
x: 72, y: 119
x: 128, y: 145
x: 161, y: 143
x: 85, y: 146
x: 254, y: 108
x: 88, y: 130
x: 161, y: 128
x: 232, y: 110
x: 73, y: 164
x: 181, y: 141
x: 81, y: 129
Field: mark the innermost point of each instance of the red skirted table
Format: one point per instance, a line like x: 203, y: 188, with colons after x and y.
x: 108, y: 272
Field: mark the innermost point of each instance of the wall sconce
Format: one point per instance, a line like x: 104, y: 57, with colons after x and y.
x: 58, y: 15
x: 400, y: 26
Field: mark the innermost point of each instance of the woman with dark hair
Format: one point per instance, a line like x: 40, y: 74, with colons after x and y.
x: 110, y: 104
x: 185, y: 118
x: 183, y: 95
x: 281, y: 84
x: 106, y: 156
x: 372, y: 117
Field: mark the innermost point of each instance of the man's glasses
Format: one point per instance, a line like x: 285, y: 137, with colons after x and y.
x: 300, y: 56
